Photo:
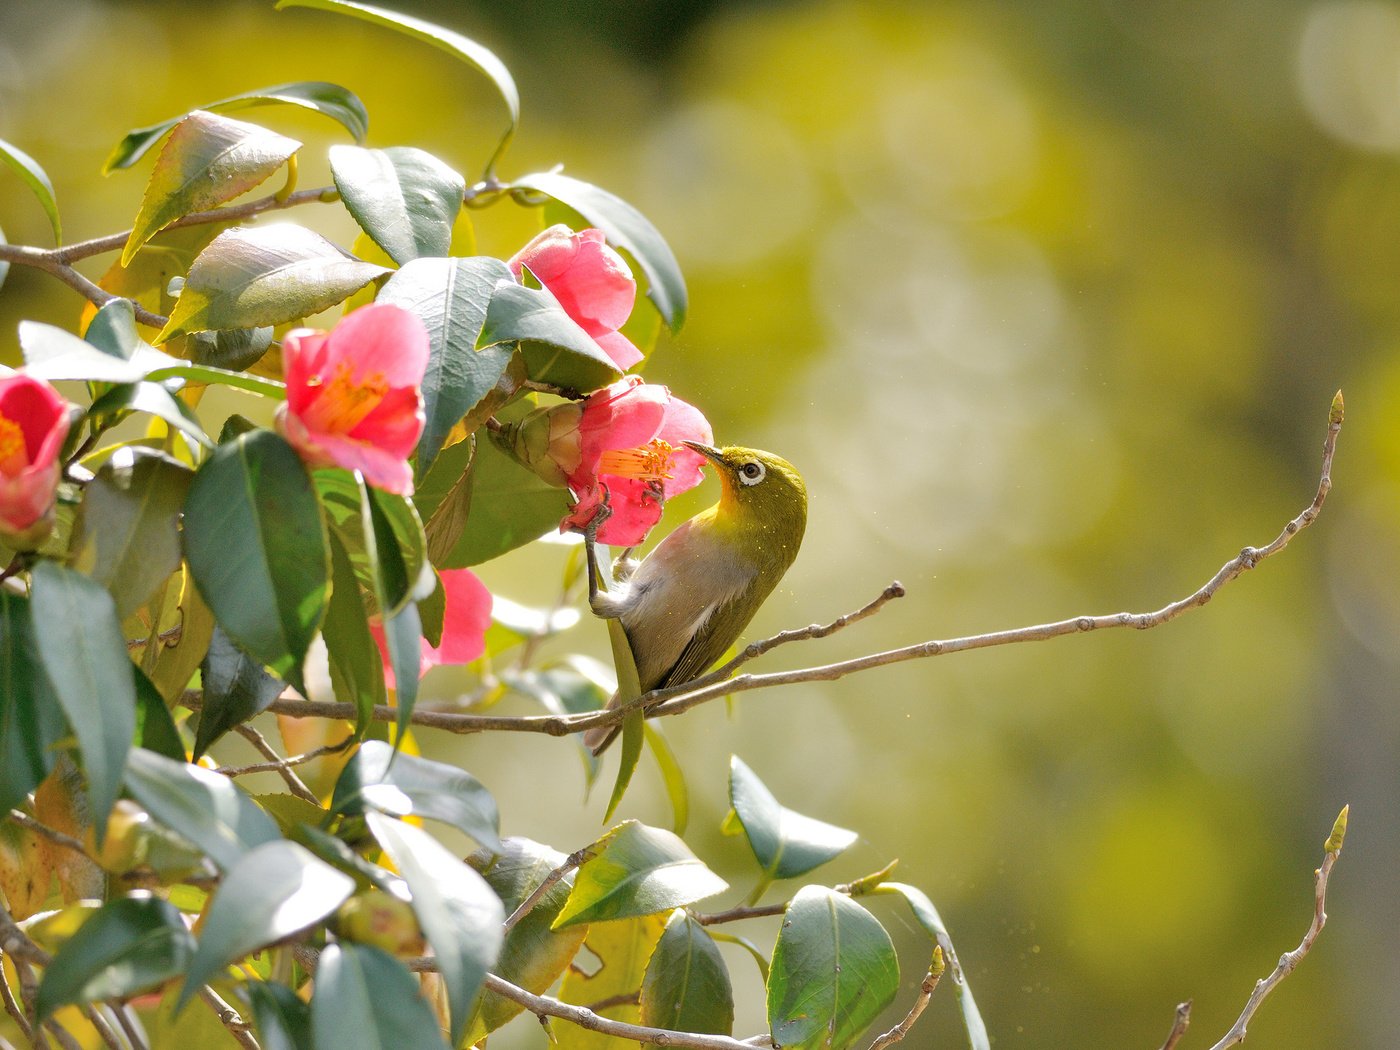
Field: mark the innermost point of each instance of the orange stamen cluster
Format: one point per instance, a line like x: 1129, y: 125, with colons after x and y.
x: 345, y: 400
x: 649, y: 462
x: 14, y: 456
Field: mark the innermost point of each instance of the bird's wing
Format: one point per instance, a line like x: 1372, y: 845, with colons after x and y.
x: 709, y: 643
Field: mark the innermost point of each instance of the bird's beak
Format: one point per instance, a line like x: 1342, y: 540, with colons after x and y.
x: 708, y: 451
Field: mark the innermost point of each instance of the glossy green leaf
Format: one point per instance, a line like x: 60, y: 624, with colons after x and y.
x: 232, y: 349
x: 207, y: 161
x: 357, y: 672
x: 450, y: 297
x: 31, y: 720
x: 932, y: 923
x: 460, y: 914
x: 205, y: 807
x: 332, y: 100
x: 686, y: 988
x: 786, y: 843
x: 255, y: 544
x: 368, y: 1000
x: 834, y: 969
x: 621, y: 950
x: 509, y: 507
x: 404, y: 198
x: 556, y: 350
x: 193, y: 373
x: 403, y: 632
x: 127, y: 532
x: 454, y: 44
x: 282, y: 1019
x: 672, y: 777
x: 407, y: 785
x: 32, y: 174
x: 80, y: 641
x: 265, y: 275
x: 624, y: 227
x: 54, y: 354
x: 401, y: 549
x: 634, y: 723
x: 126, y: 947
x: 534, y: 955
x: 236, y: 688
x: 155, y: 400
x: 272, y: 892
x: 338, y: 853
x: 637, y: 870
x: 113, y: 330
x: 155, y: 729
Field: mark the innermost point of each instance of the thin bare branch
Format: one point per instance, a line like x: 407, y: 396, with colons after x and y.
x: 1289, y: 961
x: 572, y: 861
x: 12, y: 1007
x: 293, y: 760
x: 278, y: 763
x: 24, y: 820
x: 760, y: 911
x: 1180, y: 1023
x: 675, y: 699
x: 103, y: 1029
x: 229, y: 1018
x: 899, y: 1031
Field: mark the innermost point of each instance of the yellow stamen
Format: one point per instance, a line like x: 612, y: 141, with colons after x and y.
x: 14, y: 456
x: 344, y: 399
x: 649, y: 462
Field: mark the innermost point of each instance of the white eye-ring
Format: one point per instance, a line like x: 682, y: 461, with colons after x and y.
x: 752, y: 472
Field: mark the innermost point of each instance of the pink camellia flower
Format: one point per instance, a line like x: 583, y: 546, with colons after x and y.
x: 33, y: 427
x: 591, y: 282
x: 625, y: 440
x: 466, y: 616
x: 353, y: 397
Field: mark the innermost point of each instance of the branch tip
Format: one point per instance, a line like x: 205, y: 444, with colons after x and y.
x: 1339, y: 831
x: 1338, y: 412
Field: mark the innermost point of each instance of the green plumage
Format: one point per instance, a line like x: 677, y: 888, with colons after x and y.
x: 690, y: 599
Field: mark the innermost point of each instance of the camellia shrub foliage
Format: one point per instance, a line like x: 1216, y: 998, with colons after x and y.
x: 170, y: 572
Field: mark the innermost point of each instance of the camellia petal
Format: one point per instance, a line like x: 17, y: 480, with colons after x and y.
x: 466, y: 615
x: 33, y: 426
x: 591, y: 282
x: 353, y: 394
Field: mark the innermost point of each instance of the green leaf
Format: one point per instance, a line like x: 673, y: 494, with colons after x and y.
x: 192, y: 373
x: 556, y: 350
x: 37, y: 179
x: 401, y: 549
x: 127, y: 532
x: 155, y: 400
x: 275, y: 890
x: 786, y: 843
x: 534, y: 955
x: 686, y: 988
x: 332, y: 100
x: 626, y: 228
x: 126, y: 947
x: 207, y: 161
x: 834, y: 969
x: 31, y: 720
x: 510, y: 506
x: 637, y: 870
x: 113, y: 330
x: 80, y: 641
x: 251, y: 276
x: 236, y: 688
x: 460, y: 915
x: 205, y: 807
x: 932, y: 923
x: 357, y: 672
x: 54, y: 354
x: 450, y: 297
x: 256, y: 546
x: 155, y: 729
x: 283, y: 1020
x: 404, y: 198
x: 407, y: 785
x: 672, y: 777
x: 622, y: 950
x: 454, y: 44
x: 232, y: 349
x: 368, y: 1000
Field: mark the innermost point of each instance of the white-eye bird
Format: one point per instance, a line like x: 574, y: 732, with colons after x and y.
x: 690, y: 598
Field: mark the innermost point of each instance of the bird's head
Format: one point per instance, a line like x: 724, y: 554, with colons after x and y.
x: 762, y: 495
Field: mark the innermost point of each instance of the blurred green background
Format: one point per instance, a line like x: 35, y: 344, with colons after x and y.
x: 1048, y: 301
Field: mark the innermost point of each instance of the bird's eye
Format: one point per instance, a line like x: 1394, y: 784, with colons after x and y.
x: 751, y: 473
